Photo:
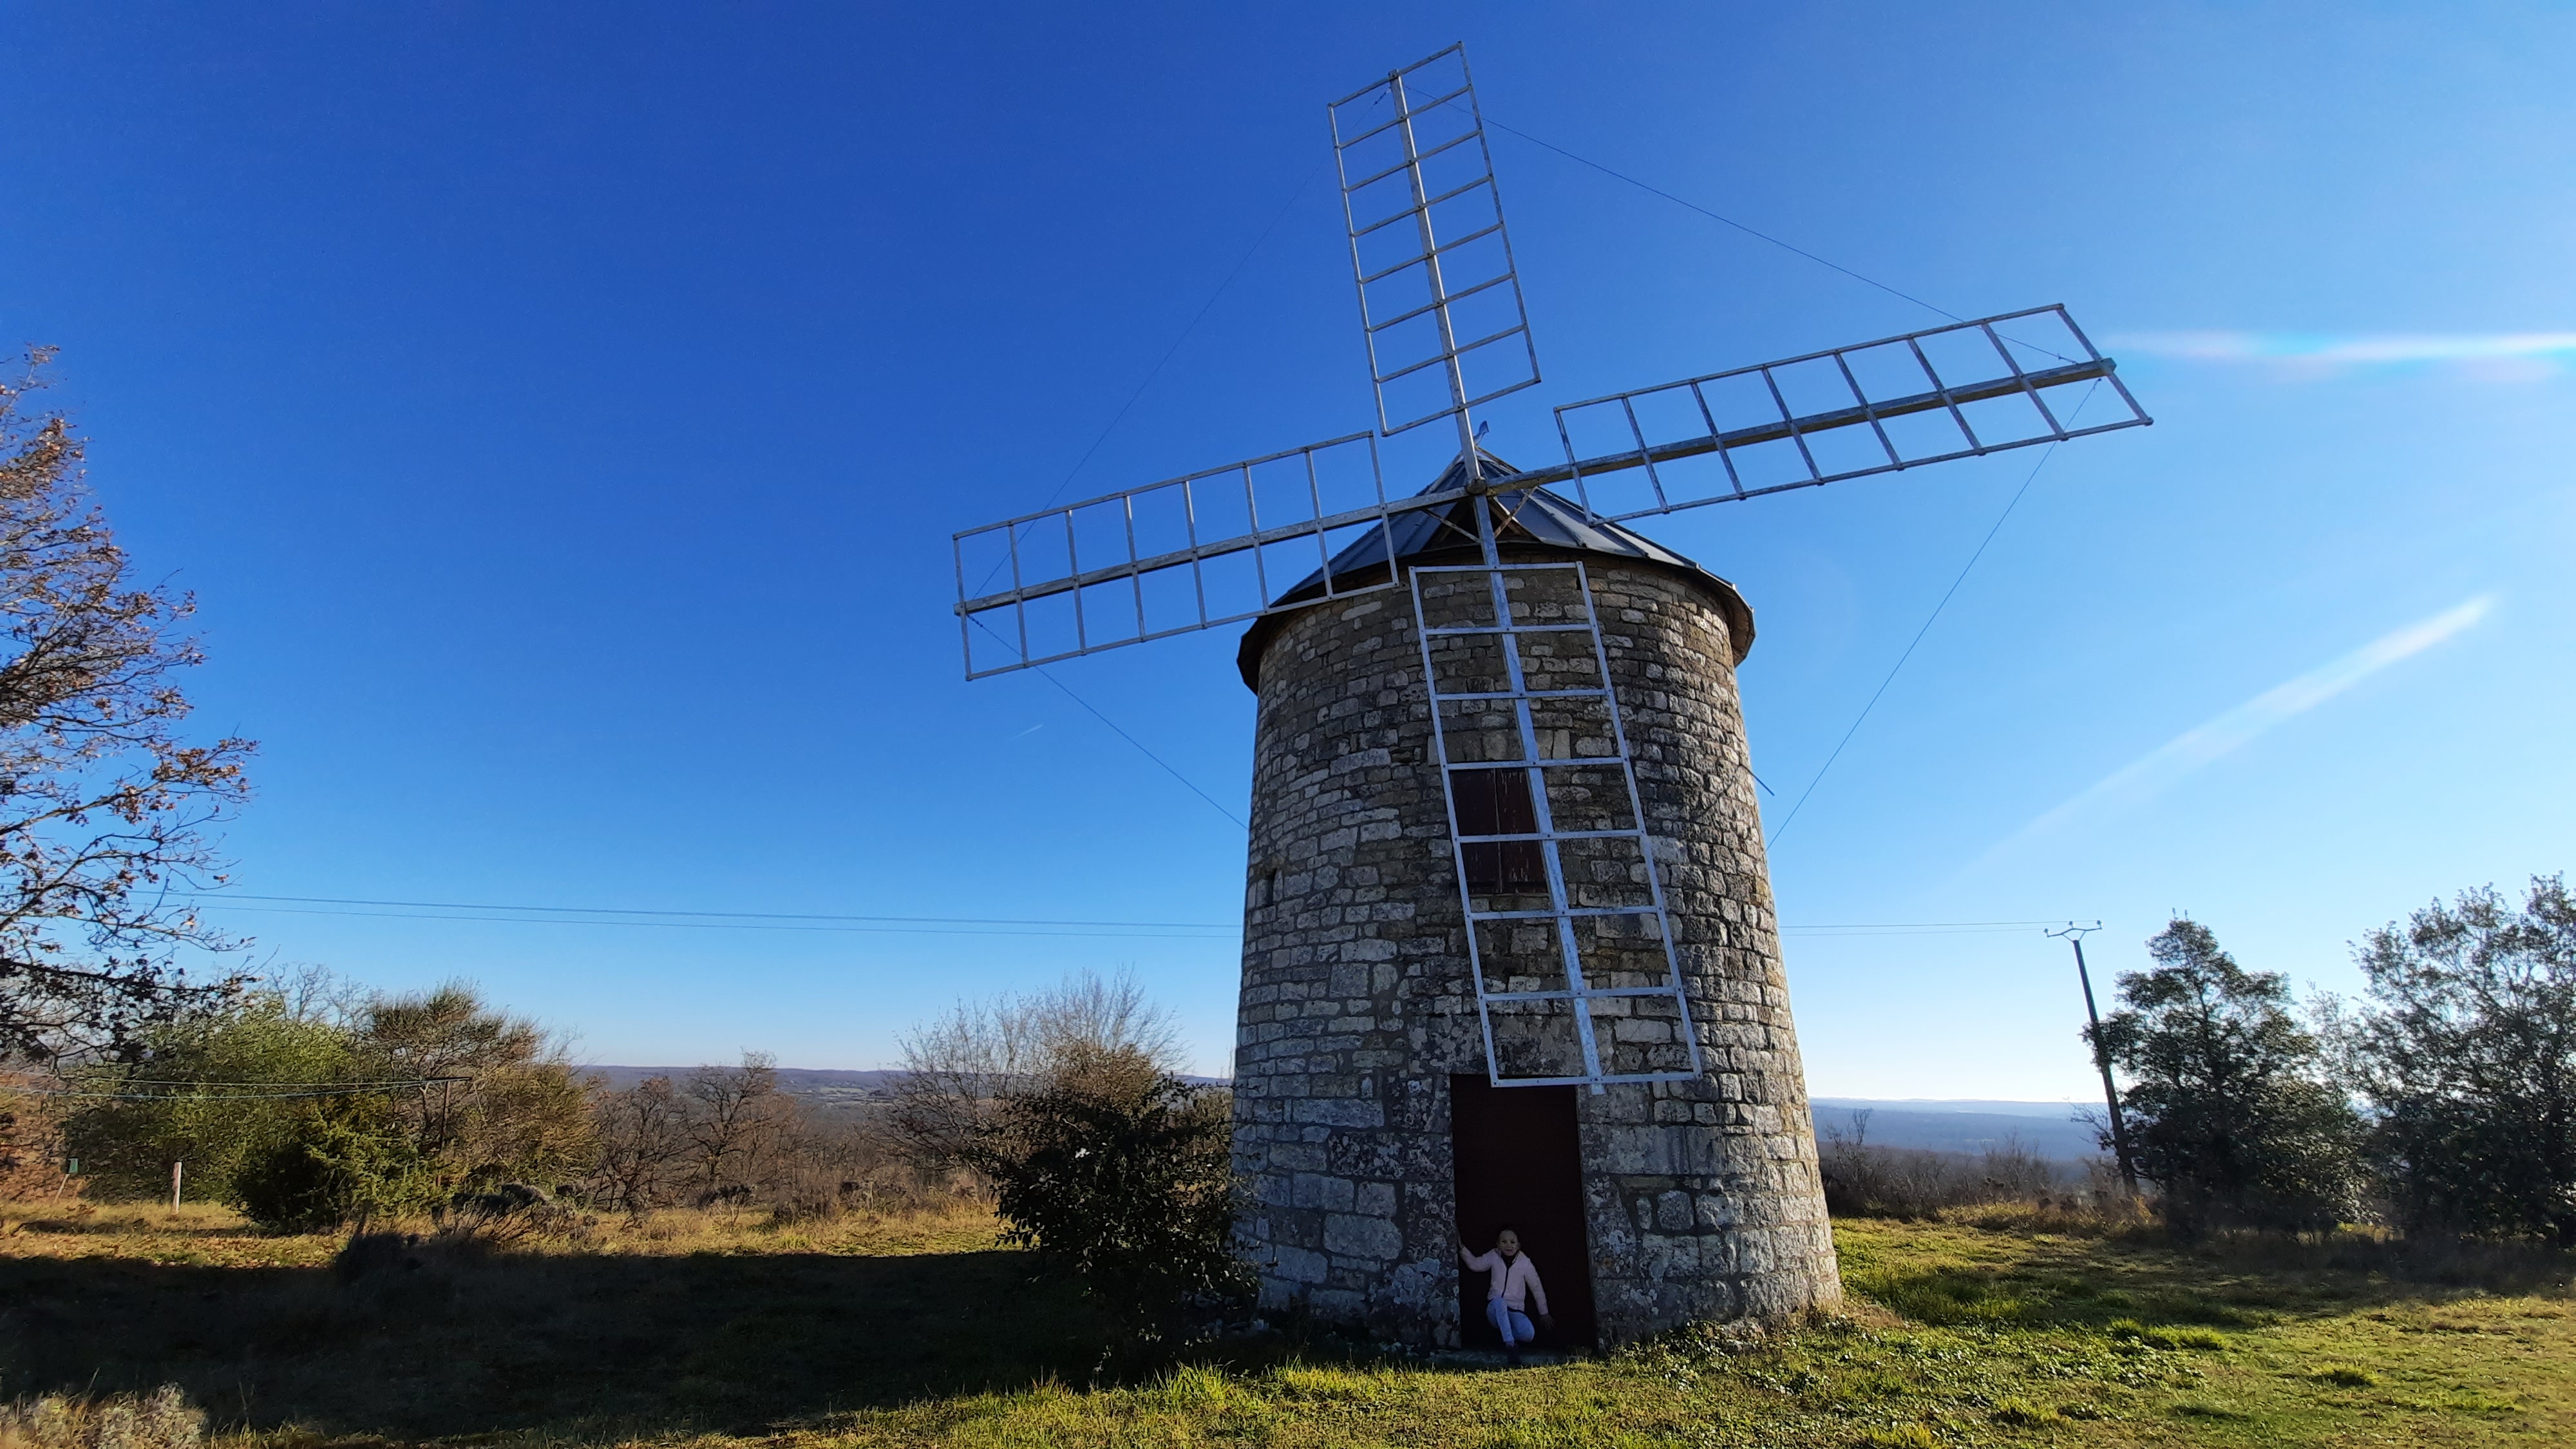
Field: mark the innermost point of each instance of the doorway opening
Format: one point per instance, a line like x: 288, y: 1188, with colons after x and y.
x: 1518, y: 1159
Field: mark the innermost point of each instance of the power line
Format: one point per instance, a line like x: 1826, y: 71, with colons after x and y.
x: 1166, y: 766
x: 1920, y: 928
x: 288, y: 1091
x: 709, y: 915
x: 2045, y: 454
x: 1238, y: 820
x: 536, y: 915
x: 1725, y: 220
x: 1169, y: 353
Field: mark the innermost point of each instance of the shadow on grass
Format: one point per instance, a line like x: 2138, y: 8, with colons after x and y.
x: 2140, y: 1277
x: 440, y: 1340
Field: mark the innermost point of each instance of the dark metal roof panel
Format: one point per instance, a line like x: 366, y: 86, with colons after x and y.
x: 1540, y: 521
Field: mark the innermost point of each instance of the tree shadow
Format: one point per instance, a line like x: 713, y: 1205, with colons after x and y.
x: 2228, y: 1281
x: 443, y: 1339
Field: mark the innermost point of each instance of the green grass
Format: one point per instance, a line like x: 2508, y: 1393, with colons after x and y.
x: 699, y: 1331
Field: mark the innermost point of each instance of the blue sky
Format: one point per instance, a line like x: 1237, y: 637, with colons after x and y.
x: 561, y: 416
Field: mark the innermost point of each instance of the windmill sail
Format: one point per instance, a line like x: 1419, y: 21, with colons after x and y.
x: 1205, y: 549
x: 1440, y: 297
x: 1971, y: 388
x: 1224, y: 544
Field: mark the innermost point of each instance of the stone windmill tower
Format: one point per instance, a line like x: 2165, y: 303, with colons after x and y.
x: 1509, y: 949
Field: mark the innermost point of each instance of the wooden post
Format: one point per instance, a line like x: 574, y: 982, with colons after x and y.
x: 178, y: 1170
x: 2102, y: 1059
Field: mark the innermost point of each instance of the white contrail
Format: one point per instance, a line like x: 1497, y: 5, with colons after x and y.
x: 2326, y: 352
x: 2193, y: 748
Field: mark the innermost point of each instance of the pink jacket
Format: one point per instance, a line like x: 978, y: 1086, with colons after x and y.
x: 1516, y: 1283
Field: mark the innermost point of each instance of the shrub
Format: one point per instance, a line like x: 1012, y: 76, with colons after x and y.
x: 224, y: 1089
x: 960, y: 1070
x: 522, y: 1113
x: 209, y: 1091
x: 348, y: 1159
x: 1120, y: 1176
x: 809, y: 1197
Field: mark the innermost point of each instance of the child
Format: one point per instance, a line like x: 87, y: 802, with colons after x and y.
x: 1513, y: 1287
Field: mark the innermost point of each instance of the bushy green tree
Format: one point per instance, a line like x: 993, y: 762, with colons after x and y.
x: 2468, y: 1055
x: 340, y: 1160
x: 292, y: 1104
x: 205, y: 1091
x: 2228, y: 1109
x: 522, y: 1113
x: 1121, y: 1177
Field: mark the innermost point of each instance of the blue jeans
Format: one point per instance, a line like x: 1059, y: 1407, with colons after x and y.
x: 1513, y: 1324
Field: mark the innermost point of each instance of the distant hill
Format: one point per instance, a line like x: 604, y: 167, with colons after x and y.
x: 793, y: 1079
x: 1934, y: 1124
x: 833, y: 1093
x: 2047, y: 1128
x: 830, y: 1092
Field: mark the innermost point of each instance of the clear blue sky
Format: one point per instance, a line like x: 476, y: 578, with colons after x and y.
x: 561, y: 412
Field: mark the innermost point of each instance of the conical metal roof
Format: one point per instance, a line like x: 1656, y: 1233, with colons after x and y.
x: 1540, y: 524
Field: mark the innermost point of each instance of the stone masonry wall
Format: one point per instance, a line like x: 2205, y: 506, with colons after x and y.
x: 1702, y: 1197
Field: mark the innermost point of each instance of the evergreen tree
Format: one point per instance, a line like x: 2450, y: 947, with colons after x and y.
x: 2469, y: 1057
x: 2228, y: 1110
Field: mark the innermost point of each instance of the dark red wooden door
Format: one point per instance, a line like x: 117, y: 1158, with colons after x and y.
x: 1519, y: 1161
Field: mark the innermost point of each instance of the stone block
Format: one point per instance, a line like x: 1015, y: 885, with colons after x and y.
x: 1296, y: 1265
x: 1350, y: 1235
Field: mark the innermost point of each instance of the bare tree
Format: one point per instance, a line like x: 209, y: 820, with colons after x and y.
x: 104, y: 811
x: 956, y: 1070
x: 741, y: 1127
x: 958, y: 1067
x: 645, y: 1145
x: 1091, y: 1017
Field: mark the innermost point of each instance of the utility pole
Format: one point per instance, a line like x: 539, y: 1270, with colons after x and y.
x: 2075, y: 935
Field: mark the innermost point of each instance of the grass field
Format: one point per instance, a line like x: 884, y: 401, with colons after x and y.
x: 915, y: 1329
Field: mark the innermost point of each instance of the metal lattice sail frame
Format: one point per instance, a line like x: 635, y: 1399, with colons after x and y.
x: 1428, y: 249
x: 1092, y: 563
x: 1448, y: 331
x: 1557, y: 969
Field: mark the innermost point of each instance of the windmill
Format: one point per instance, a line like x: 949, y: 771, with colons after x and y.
x: 1547, y: 991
